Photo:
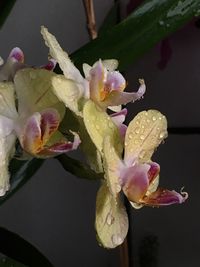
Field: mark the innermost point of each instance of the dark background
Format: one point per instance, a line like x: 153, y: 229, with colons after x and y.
x: 55, y: 210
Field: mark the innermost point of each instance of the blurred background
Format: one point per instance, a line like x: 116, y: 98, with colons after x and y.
x: 55, y: 211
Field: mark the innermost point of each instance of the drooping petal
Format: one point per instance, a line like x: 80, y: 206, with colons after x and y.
x: 164, y: 197
x: 60, y: 148
x: 35, y: 92
x: 111, y: 219
x: 66, y: 65
x: 144, y: 133
x: 116, y: 98
x: 99, y: 124
x: 67, y: 92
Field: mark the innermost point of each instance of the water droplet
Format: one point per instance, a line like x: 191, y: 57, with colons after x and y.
x: 97, y: 127
x: 137, y: 122
x: 143, y: 126
x: 153, y: 118
x: 161, y: 22
x: 125, y: 144
x: 118, y: 188
x: 148, y: 120
x: 116, y: 239
x: 142, y: 154
x: 136, y: 141
x: 162, y: 135
x: 110, y: 219
x: 142, y: 137
x: 137, y: 130
x: 130, y: 136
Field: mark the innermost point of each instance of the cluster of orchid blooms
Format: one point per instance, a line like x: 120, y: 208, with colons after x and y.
x: 33, y: 104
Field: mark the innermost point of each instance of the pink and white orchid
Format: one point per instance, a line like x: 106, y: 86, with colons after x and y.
x: 102, y: 83
x: 136, y: 175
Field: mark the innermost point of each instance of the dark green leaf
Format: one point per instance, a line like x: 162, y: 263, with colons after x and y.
x: 5, y: 8
x: 147, y: 25
x: 78, y: 168
x: 111, y: 19
x: 7, y: 262
x: 21, y: 172
x: 15, y: 247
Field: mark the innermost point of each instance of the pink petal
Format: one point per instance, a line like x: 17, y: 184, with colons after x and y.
x: 135, y: 181
x: 115, y: 81
x: 164, y: 197
x: 49, y: 123
x: 50, y: 65
x: 60, y: 148
x: 153, y: 171
x: 118, y: 118
x: 17, y: 54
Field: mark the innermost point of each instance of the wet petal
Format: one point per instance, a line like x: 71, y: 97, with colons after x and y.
x: 35, y: 92
x: 56, y: 52
x: 67, y: 92
x: 111, y: 219
x: 115, y: 81
x: 112, y: 165
x: 99, y: 124
x: 144, y: 133
x: 164, y: 197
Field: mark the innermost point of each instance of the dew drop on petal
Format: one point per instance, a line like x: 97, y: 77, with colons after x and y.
x: 110, y: 219
x: 137, y: 130
x: 116, y: 239
x: 153, y: 118
x: 142, y: 137
x: 130, y: 136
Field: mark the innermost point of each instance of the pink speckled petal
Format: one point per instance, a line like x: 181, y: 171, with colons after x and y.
x: 164, y: 197
x: 17, y: 54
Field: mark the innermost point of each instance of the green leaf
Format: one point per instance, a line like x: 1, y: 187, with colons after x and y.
x: 78, y: 168
x: 7, y: 262
x: 21, y: 172
x: 15, y: 247
x: 147, y: 25
x: 5, y: 8
x: 111, y: 19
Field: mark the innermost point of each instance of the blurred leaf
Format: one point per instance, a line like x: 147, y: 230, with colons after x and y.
x: 147, y: 25
x: 7, y: 262
x: 15, y: 247
x: 21, y: 172
x: 78, y: 168
x: 111, y: 19
x: 5, y: 8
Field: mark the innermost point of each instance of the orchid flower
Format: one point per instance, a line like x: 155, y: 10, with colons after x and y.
x: 102, y: 83
x: 34, y: 122
x: 136, y: 175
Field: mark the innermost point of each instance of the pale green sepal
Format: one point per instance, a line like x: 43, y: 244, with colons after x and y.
x: 7, y: 100
x: 68, y: 92
x: 99, y: 124
x: 143, y: 135
x: 35, y: 92
x: 111, y: 164
x: 111, y: 218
